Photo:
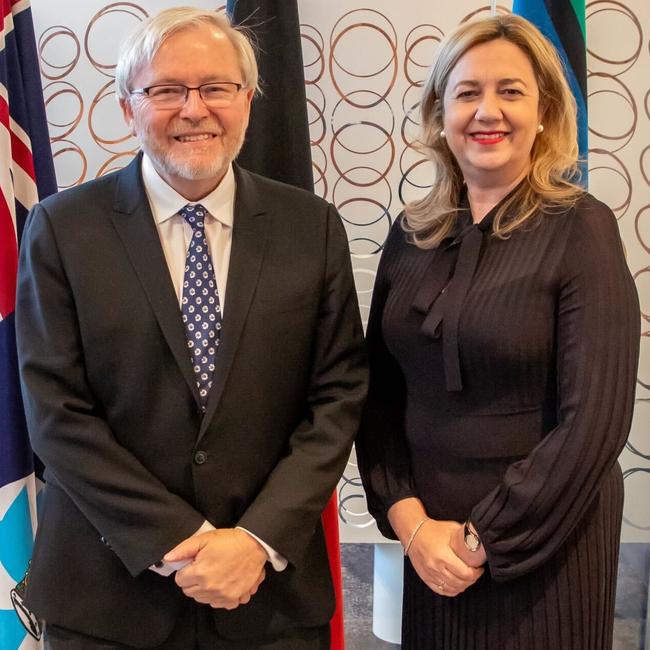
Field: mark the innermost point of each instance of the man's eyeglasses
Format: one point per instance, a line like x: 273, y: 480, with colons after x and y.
x: 216, y: 94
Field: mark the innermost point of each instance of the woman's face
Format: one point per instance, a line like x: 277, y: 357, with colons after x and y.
x: 491, y: 113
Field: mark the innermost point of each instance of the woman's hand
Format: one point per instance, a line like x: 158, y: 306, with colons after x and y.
x: 435, y: 561
x: 430, y: 551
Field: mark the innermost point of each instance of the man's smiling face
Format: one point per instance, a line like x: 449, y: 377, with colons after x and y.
x: 190, y: 146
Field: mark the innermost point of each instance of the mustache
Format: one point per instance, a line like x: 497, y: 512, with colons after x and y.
x: 194, y: 128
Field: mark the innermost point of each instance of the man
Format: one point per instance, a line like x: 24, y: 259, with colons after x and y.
x: 191, y: 355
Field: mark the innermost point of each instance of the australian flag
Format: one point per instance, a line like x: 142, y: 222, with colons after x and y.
x: 26, y: 173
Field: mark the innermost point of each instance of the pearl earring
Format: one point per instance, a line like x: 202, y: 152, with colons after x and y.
x: 443, y: 134
x: 540, y: 128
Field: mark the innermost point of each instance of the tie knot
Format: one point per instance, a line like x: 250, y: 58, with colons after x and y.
x: 194, y: 215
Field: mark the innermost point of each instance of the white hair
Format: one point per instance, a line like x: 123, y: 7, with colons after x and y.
x: 141, y: 46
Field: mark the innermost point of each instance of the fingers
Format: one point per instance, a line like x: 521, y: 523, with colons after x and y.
x: 220, y: 602
x: 434, y: 560
x: 461, y: 571
x: 445, y: 584
x: 443, y: 589
x: 186, y: 550
x: 230, y: 603
x: 260, y: 580
x: 224, y: 573
x: 442, y: 581
x: 228, y: 597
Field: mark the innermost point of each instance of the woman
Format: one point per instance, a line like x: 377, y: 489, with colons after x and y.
x: 503, y: 342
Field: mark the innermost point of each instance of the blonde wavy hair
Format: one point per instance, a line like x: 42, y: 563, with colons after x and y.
x: 551, y: 182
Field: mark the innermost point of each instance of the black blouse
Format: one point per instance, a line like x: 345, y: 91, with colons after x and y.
x: 502, y: 378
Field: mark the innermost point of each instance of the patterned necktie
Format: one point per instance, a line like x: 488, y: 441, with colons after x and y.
x: 200, y: 304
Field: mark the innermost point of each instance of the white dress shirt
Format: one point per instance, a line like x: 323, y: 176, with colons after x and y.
x: 175, y: 233
x: 175, y: 236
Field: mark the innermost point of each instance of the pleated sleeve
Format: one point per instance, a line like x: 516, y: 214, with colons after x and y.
x: 543, y: 497
x: 381, y: 449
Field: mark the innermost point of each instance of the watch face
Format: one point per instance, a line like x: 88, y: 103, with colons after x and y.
x: 472, y: 541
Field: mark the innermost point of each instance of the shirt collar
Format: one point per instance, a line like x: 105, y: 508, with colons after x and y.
x: 165, y: 201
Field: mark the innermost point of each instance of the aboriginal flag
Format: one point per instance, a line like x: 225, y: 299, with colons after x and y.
x: 277, y: 140
x: 278, y: 146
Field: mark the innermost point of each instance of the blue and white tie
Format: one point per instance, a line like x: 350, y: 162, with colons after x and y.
x: 200, y: 303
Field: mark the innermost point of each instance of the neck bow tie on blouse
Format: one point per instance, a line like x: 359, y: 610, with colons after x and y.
x: 444, y: 289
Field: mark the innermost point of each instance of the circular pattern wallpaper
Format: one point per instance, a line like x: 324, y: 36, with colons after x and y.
x: 363, y: 116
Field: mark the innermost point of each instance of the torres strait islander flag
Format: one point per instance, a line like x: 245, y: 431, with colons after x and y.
x: 563, y: 23
x: 26, y: 173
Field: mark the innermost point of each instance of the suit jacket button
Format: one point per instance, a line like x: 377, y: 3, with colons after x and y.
x: 104, y: 541
x: 200, y: 457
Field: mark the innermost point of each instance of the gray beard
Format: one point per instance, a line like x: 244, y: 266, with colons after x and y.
x: 190, y: 171
x: 194, y: 172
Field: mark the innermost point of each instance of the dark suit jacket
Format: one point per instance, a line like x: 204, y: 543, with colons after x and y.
x: 113, y: 409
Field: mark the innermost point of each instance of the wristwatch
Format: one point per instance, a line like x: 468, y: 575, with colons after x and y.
x: 472, y: 540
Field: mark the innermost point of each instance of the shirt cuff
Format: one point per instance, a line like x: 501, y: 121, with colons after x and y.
x: 278, y: 562
x: 167, y: 568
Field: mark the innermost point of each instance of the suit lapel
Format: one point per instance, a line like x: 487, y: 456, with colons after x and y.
x: 250, y: 232
x: 135, y: 226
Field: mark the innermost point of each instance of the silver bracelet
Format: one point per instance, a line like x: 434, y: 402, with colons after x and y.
x: 416, y: 530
